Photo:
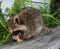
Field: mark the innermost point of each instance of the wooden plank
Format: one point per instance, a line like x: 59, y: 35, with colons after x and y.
x: 43, y: 41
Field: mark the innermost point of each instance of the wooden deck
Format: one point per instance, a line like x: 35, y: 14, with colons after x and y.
x: 43, y: 41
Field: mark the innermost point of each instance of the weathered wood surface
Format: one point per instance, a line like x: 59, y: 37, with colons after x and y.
x: 43, y: 41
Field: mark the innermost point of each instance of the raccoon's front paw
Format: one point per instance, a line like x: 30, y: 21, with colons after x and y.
x: 19, y: 40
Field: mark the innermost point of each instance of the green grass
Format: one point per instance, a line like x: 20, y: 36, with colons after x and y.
x: 5, y: 36
x: 49, y: 19
x: 4, y: 32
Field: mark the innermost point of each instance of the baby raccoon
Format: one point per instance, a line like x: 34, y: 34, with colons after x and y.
x: 27, y: 24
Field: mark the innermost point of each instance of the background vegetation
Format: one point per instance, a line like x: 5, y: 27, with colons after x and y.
x: 5, y: 36
x: 17, y: 7
x: 55, y: 10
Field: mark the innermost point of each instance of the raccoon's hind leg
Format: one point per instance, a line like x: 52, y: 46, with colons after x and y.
x: 31, y: 34
x: 46, y: 30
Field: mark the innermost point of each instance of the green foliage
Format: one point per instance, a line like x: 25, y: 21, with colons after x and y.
x: 17, y: 7
x: 54, y: 5
x: 49, y: 19
x: 55, y: 11
x: 5, y: 36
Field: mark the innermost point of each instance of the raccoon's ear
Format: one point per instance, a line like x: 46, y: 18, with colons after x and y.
x: 19, y: 21
x: 16, y: 20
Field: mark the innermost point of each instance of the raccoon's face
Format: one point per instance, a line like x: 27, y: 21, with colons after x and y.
x: 16, y: 27
x: 17, y: 35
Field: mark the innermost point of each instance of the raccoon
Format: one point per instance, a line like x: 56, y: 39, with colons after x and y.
x: 27, y: 24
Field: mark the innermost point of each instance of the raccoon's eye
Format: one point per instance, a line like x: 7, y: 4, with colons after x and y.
x: 18, y: 32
